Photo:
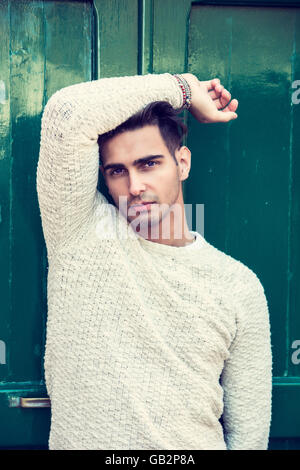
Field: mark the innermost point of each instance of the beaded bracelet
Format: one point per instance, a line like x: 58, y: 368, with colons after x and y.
x: 186, y: 91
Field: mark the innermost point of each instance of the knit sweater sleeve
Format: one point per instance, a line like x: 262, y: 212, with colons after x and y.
x: 68, y: 166
x: 247, y: 376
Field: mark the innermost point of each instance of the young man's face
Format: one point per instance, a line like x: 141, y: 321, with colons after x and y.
x: 138, y: 166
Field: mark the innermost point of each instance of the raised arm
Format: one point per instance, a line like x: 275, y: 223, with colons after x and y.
x: 247, y: 377
x: 67, y: 172
x: 74, y: 117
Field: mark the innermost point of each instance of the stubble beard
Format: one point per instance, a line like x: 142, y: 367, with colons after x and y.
x: 155, y: 223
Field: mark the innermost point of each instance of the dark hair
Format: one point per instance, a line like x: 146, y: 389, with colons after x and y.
x: 159, y: 113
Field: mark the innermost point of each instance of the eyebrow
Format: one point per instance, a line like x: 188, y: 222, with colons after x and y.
x: 136, y: 162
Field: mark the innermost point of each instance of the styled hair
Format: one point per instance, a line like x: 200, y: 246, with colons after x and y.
x: 159, y: 113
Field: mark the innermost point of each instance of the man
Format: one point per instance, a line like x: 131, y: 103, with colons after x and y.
x: 155, y: 338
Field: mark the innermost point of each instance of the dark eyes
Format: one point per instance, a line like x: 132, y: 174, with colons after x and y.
x: 118, y: 171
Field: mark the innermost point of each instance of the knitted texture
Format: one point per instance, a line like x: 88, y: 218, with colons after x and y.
x: 147, y: 345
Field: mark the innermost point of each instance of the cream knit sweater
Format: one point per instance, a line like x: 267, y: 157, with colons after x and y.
x: 147, y: 344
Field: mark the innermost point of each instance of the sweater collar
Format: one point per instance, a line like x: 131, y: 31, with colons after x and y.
x: 184, y: 251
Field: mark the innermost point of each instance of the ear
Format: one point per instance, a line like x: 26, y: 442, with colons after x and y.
x: 183, y: 156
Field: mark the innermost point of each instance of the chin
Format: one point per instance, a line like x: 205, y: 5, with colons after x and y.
x: 145, y: 225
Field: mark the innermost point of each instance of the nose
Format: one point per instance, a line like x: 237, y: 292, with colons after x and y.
x: 136, y: 186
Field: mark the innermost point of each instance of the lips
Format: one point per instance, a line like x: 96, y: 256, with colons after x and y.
x: 142, y: 204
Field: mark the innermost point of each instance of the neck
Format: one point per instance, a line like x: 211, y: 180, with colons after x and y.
x: 172, y: 229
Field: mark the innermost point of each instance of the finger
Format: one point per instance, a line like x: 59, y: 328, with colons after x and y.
x: 219, y: 88
x: 211, y: 84
x: 232, y: 106
x: 219, y: 104
x: 224, y: 99
x: 213, y: 94
x: 226, y: 117
x: 216, y: 93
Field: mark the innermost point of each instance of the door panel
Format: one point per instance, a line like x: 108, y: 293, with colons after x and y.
x: 44, y: 46
x: 247, y: 173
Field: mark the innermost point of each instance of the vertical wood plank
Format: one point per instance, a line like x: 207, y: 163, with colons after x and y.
x: 260, y: 195
x: 117, y: 25
x: 5, y: 169
x: 39, y: 54
x: 294, y: 239
x: 68, y: 37
x: 208, y: 58
x: 170, y: 45
x: 145, y: 36
x: 170, y: 30
x: 241, y: 169
x: 27, y: 79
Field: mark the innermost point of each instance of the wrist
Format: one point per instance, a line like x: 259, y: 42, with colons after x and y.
x: 185, y: 90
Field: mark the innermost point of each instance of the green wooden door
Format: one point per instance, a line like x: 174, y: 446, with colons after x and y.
x: 44, y: 46
x: 245, y: 173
